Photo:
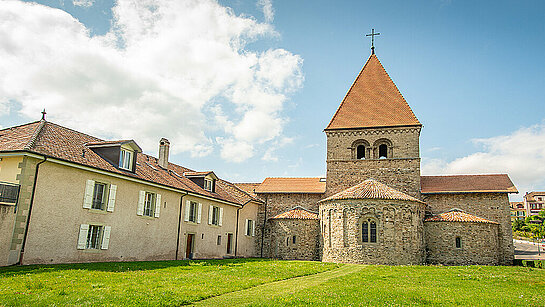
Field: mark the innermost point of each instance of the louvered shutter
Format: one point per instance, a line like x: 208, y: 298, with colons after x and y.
x: 111, y: 198
x: 210, y: 214
x: 186, y: 213
x: 82, y: 239
x: 199, y: 214
x: 106, y: 237
x: 246, y: 232
x: 88, y: 197
x: 253, y: 228
x: 157, y: 205
x: 141, y: 199
x: 221, y: 217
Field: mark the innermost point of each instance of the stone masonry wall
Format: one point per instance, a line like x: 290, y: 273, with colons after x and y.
x: 277, y: 203
x: 307, y: 239
x: 479, y: 243
x: 491, y: 206
x: 400, y: 233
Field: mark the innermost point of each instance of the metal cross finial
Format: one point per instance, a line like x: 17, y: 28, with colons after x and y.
x: 43, y: 114
x: 372, y: 40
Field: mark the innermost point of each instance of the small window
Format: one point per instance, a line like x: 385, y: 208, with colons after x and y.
x: 458, y: 242
x: 250, y: 227
x: 373, y: 238
x: 193, y: 212
x: 125, y: 159
x: 149, y: 204
x: 208, y: 184
x: 219, y: 240
x: 94, y: 236
x: 360, y: 152
x: 9, y: 193
x: 365, y: 232
x: 369, y: 232
x: 99, y: 196
x: 215, y: 215
x: 288, y: 241
x: 293, y: 240
x: 383, y: 151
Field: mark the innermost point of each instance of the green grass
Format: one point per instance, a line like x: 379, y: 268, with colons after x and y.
x: 142, y: 283
x: 261, y: 282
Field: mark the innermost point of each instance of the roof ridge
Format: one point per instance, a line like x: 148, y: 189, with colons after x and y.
x: 239, y: 189
x: 35, y: 135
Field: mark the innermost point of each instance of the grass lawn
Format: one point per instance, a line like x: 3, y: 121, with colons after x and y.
x: 261, y: 282
x: 142, y: 283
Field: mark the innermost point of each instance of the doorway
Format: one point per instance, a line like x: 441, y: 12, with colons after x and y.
x: 190, y: 245
x: 229, y: 243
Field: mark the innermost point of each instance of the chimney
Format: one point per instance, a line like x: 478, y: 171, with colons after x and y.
x: 164, y: 146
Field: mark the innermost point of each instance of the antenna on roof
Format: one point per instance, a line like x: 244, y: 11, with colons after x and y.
x: 373, y: 34
x: 43, y: 114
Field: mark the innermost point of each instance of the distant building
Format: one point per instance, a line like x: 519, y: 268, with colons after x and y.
x: 518, y: 212
x: 534, y: 202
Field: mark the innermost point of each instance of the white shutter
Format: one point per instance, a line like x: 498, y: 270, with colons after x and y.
x: 106, y: 237
x: 111, y: 198
x: 221, y: 217
x: 157, y: 205
x: 141, y: 199
x: 186, y: 214
x: 199, y: 214
x: 210, y: 213
x: 82, y: 239
x: 88, y: 198
x: 246, y: 228
x: 253, y: 228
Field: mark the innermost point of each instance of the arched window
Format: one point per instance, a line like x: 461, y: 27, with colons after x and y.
x: 369, y: 232
x: 288, y: 241
x: 383, y: 151
x: 360, y: 152
x: 458, y: 242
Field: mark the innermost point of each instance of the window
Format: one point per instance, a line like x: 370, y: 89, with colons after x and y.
x: 149, y: 204
x: 458, y: 242
x: 360, y: 152
x: 215, y: 216
x: 125, y: 159
x: 208, y: 184
x: 288, y: 241
x: 219, y: 240
x: 192, y: 211
x: 250, y: 228
x: 94, y: 236
x: 369, y: 231
x: 9, y: 193
x: 383, y: 151
x: 293, y: 239
x: 99, y: 194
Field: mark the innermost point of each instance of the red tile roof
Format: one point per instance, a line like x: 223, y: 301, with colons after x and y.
x: 373, y: 101
x: 371, y: 189
x: 52, y: 140
x: 298, y: 213
x: 497, y: 183
x: 292, y: 185
x: 248, y: 187
x: 457, y: 215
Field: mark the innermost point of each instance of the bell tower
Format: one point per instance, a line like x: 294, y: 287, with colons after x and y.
x: 373, y: 134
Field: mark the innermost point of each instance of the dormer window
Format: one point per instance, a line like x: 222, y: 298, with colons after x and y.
x: 205, y: 180
x: 125, y: 159
x: 208, y: 184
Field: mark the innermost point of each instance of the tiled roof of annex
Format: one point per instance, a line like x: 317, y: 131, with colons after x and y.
x: 55, y: 141
x: 371, y: 189
x: 494, y: 183
x: 313, y: 185
x: 299, y: 213
x: 457, y: 215
x: 373, y: 100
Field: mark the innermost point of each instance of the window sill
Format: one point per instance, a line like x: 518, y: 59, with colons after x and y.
x: 192, y: 223
x: 98, y: 211
x: 147, y: 217
x: 91, y: 250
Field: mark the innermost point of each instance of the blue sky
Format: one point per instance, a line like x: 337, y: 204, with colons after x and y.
x: 472, y: 71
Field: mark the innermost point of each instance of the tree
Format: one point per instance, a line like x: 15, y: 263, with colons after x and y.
x: 518, y: 224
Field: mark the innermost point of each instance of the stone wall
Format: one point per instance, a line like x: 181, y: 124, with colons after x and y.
x: 400, y: 171
x: 307, y: 239
x: 400, y: 233
x: 479, y: 243
x: 277, y: 203
x: 491, y: 206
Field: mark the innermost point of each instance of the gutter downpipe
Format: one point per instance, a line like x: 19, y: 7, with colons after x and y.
x: 236, y: 230
x: 263, y: 228
x: 179, y: 225
x: 22, y: 252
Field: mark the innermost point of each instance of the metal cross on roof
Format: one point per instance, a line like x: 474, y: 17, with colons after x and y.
x: 372, y: 40
x: 43, y: 114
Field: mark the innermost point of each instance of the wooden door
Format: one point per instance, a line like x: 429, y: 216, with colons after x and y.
x: 229, y: 242
x: 189, y: 246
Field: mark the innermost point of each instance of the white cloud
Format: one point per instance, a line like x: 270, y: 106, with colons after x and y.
x: 268, y: 10
x: 520, y: 154
x: 166, y: 69
x: 83, y: 3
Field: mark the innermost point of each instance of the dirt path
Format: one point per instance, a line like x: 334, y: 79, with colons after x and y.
x: 267, y: 291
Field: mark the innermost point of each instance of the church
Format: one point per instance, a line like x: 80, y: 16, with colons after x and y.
x: 66, y: 196
x: 374, y: 206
